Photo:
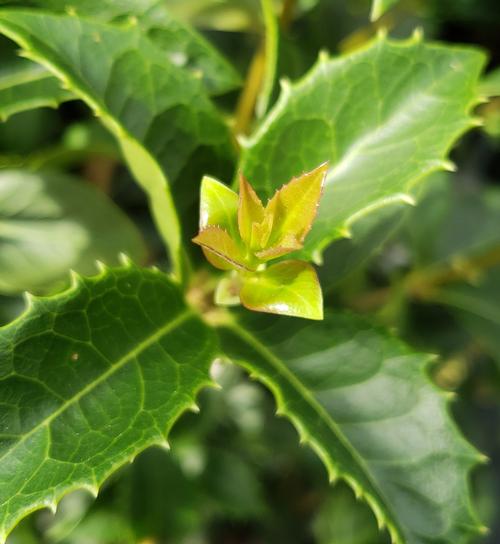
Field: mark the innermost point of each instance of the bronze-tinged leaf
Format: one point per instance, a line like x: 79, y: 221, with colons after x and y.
x: 218, y: 242
x: 286, y: 245
x: 295, y: 205
x: 250, y: 211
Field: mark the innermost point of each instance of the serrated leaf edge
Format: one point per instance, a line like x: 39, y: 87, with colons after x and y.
x: 77, y: 282
x: 441, y: 164
x: 333, y: 472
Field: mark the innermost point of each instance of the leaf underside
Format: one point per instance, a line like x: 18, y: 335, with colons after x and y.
x: 90, y: 378
x: 384, y: 117
x: 362, y: 400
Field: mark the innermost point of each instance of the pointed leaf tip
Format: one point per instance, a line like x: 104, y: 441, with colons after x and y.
x: 295, y: 205
x: 250, y: 211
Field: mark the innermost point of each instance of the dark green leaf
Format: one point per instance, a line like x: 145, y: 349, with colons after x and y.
x: 91, y: 377
x: 362, y: 400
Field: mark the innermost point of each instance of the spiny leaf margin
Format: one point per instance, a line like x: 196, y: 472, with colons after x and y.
x: 185, y: 400
x: 267, y: 339
x: 335, y: 218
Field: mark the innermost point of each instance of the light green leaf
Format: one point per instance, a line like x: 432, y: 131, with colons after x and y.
x: 379, y: 7
x: 384, y: 116
x: 91, y: 377
x: 158, y: 112
x: 363, y: 402
x: 218, y: 206
x: 51, y: 223
x: 287, y: 288
x: 25, y: 86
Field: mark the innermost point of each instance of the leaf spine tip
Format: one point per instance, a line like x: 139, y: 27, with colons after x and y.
x: 51, y: 505
x: 76, y: 279
x: 125, y: 259
x: 482, y: 459
x: 323, y: 56
x: 101, y: 267
x: 194, y: 408
x: 408, y: 199
x: 382, y: 33
x: 71, y: 10
x: 243, y: 141
x: 418, y: 34
x: 92, y: 489
x: 132, y: 20
x: 317, y: 257
x: 164, y: 444
x: 345, y: 232
x: 29, y: 298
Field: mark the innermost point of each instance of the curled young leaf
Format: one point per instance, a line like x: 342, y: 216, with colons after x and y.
x: 217, y: 241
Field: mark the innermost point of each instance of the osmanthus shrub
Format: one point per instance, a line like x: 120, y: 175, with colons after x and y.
x: 96, y: 373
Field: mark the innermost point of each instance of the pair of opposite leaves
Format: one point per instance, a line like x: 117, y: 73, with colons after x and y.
x: 239, y: 233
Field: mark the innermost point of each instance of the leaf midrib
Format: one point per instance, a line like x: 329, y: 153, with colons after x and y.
x: 322, y: 413
x: 141, y: 346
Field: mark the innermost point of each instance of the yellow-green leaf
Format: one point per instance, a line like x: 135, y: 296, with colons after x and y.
x: 217, y: 241
x: 251, y: 213
x: 287, y: 288
x: 295, y: 205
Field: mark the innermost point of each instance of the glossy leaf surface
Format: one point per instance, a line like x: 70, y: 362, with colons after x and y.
x: 287, y: 288
x: 384, y: 116
x: 363, y: 402
x: 91, y: 377
x: 51, y: 223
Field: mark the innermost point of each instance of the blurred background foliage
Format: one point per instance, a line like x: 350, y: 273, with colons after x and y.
x: 236, y: 474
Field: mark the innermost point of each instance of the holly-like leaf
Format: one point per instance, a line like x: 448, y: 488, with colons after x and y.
x: 287, y: 288
x: 158, y: 111
x: 25, y: 86
x: 363, y: 402
x: 217, y: 241
x: 384, y: 116
x: 91, y: 377
x: 51, y: 223
x: 182, y: 44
